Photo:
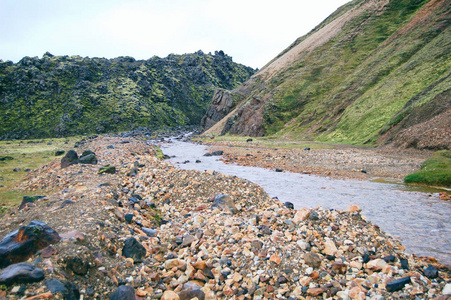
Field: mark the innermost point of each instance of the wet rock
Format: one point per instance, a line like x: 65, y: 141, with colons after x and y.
x: 20, y: 273
x: 289, y: 205
x: 59, y: 152
x: 29, y: 199
x: 71, y: 158
x: 279, y: 170
x: 88, y: 159
x: 24, y: 242
x: 107, y: 169
x: 123, y: 292
x: 397, y: 284
x: 224, y: 202
x: 312, y: 259
x: 431, y: 272
x: 133, y: 249
x: 217, y: 153
x: 307, y: 148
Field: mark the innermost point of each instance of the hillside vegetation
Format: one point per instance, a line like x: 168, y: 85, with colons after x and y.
x: 56, y: 96
x: 374, y: 72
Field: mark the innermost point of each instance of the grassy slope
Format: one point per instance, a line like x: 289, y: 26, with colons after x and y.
x: 350, y: 88
x: 435, y: 171
x: 26, y: 155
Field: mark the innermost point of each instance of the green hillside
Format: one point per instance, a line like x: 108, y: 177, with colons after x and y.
x: 56, y: 96
x: 387, y: 63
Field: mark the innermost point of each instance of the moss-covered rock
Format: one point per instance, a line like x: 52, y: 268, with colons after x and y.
x: 57, y: 96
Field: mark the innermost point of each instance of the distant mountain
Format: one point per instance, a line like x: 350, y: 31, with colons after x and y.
x: 374, y: 72
x: 62, y: 95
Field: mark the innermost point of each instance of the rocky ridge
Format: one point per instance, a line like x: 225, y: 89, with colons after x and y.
x: 151, y: 231
x: 56, y: 96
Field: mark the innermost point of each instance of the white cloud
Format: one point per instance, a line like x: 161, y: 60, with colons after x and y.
x: 252, y: 32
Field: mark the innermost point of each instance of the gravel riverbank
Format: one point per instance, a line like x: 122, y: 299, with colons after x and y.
x: 152, y: 231
x: 338, y: 161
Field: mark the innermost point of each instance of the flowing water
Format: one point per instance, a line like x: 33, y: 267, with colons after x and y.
x: 420, y: 220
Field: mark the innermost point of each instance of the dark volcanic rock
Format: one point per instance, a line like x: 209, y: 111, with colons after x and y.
x: 87, y: 152
x: 21, y: 272
x: 289, y: 205
x: 77, y: 265
x: 71, y: 158
x: 55, y: 286
x: 133, y: 249
x: 431, y: 272
x: 107, y: 169
x: 29, y: 199
x: 88, y: 159
x: 59, y: 152
x: 124, y: 292
x: 397, y: 284
x: 24, y: 242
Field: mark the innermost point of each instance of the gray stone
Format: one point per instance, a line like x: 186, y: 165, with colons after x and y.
x: 21, y: 273
x: 71, y: 158
x: 124, y: 292
x: 133, y: 249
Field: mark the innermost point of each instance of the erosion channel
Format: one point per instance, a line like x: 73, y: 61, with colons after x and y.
x: 420, y: 220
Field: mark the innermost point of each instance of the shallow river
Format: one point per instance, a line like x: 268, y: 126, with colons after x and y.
x: 420, y: 220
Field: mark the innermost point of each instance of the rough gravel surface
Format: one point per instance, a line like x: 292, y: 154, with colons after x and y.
x: 205, y: 236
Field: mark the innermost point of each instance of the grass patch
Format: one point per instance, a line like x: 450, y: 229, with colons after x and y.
x: 159, y: 153
x: 25, y: 154
x: 434, y: 171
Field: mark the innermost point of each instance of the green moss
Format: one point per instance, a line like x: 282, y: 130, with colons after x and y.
x: 65, y: 96
x: 434, y: 171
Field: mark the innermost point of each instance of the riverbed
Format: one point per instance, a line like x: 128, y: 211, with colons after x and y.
x: 422, y: 221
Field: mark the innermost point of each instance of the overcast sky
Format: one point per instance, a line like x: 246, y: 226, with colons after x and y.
x: 251, y: 31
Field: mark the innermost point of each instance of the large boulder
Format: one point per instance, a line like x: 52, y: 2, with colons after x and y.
x: 21, y: 244
x: 71, y: 158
